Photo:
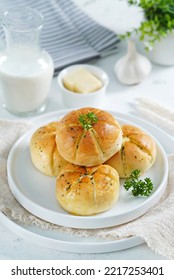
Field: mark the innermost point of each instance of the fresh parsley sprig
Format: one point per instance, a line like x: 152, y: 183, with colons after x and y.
x: 87, y: 120
x: 139, y: 187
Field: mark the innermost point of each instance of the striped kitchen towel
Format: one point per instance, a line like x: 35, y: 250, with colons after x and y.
x: 69, y: 35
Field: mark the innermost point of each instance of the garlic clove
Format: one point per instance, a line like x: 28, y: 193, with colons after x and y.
x: 132, y: 68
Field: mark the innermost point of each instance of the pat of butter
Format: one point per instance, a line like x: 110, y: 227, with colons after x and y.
x: 82, y: 81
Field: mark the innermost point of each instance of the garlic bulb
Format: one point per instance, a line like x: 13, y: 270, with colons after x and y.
x: 133, y: 67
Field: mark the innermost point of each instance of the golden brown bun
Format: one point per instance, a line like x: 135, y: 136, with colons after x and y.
x: 88, y: 147
x: 138, y: 152
x: 87, y: 190
x: 43, y: 150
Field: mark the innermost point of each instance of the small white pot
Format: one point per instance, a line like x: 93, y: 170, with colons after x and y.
x: 163, y: 51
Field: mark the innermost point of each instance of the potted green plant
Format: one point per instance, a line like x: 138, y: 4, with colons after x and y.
x: 156, y: 30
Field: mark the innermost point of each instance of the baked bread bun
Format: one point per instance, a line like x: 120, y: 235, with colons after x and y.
x: 88, y: 136
x: 138, y: 151
x: 43, y: 150
x: 87, y: 190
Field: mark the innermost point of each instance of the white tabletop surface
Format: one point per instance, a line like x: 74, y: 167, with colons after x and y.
x: 158, y: 86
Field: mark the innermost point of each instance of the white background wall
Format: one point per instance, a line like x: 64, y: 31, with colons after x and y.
x: 114, y: 14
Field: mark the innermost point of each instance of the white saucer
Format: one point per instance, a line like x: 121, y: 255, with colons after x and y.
x: 66, y: 242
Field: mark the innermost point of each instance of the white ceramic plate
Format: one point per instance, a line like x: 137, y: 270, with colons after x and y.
x: 36, y: 192
x: 64, y: 242
x: 68, y: 242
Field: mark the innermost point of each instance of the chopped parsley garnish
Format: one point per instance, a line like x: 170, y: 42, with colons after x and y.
x: 87, y: 120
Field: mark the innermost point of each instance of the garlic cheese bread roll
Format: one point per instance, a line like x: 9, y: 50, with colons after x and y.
x: 88, y: 136
x: 87, y: 190
x: 138, y: 151
x: 43, y: 150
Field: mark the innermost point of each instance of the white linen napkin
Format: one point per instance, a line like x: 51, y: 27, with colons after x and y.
x: 156, y: 227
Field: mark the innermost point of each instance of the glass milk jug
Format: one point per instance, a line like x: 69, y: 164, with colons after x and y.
x: 26, y: 71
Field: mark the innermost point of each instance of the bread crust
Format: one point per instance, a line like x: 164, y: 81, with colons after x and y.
x: 87, y: 190
x: 138, y: 151
x: 88, y: 147
x: 43, y: 150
